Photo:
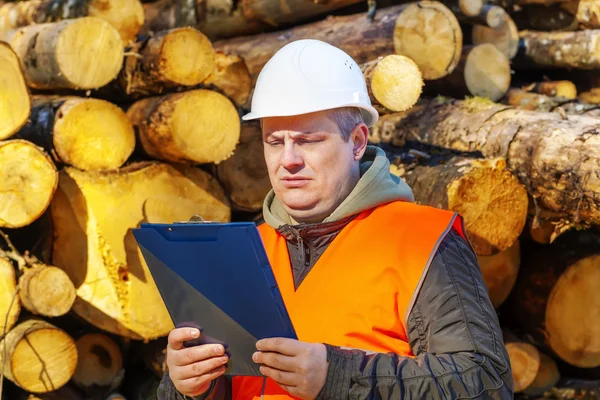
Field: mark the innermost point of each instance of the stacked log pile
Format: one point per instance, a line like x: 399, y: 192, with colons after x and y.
x: 114, y: 113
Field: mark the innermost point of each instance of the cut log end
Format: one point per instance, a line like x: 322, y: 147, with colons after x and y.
x: 232, y: 77
x: 28, y: 178
x: 495, y: 16
x: 93, y: 134
x: 572, y: 329
x: 187, y: 57
x: 396, y: 82
x: 15, y: 104
x: 591, y: 96
x: 564, y: 89
x: 100, y: 361
x: 470, y: 8
x: 495, y: 224
x: 46, y: 290
x: 10, y: 307
x: 547, y: 377
x: 40, y: 357
x: 505, y: 37
x: 525, y: 363
x: 500, y: 272
x: 126, y: 16
x: 487, y: 72
x: 430, y: 35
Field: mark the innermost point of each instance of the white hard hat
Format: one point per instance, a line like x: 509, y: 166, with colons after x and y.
x: 307, y: 76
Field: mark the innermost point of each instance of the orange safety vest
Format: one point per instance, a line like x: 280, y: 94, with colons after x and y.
x: 361, y: 290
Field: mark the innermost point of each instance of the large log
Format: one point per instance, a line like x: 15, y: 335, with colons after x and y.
x: 505, y: 37
x: 556, y: 299
x: 28, y: 179
x: 198, y: 126
x: 244, y: 175
x: 87, y: 133
x: 426, y: 32
x: 171, y: 58
x: 555, y: 158
x: 577, y: 50
x: 93, y: 214
x: 539, y: 102
x: 46, y: 290
x: 81, y: 53
x: 126, y: 16
x: 483, y: 71
x: 100, y: 363
x: 10, y: 306
x: 490, y: 199
x: 15, y: 104
x: 37, y: 356
x: 500, y: 272
x: 525, y: 363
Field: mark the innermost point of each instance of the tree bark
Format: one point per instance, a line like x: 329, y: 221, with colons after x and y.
x: 426, y: 32
x: 46, y: 290
x: 577, y: 50
x: 15, y: 103
x: 87, y: 133
x: 38, y: 357
x: 394, y: 83
x: 539, y: 102
x: 100, y: 363
x: 198, y: 126
x: 82, y: 53
x: 555, y: 159
x: 171, y: 58
x: 92, y: 216
x: 500, y: 272
x: 28, y: 180
x: 10, y: 306
x: 231, y: 77
x: 126, y: 16
x: 483, y: 71
x: 491, y: 201
x: 244, y: 175
x: 505, y: 37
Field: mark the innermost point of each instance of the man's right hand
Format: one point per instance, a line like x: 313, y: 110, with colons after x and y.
x: 192, y: 369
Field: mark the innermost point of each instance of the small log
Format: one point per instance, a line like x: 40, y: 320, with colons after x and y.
x: 10, y: 307
x: 244, y: 175
x: 426, y: 32
x: 15, y: 104
x: 555, y: 158
x: 591, y: 96
x: 172, y: 58
x: 46, y: 290
x: 500, y: 272
x: 525, y: 363
x: 469, y: 8
x: 87, y: 133
x: 38, y: 356
x: 81, y: 53
x: 126, y: 16
x: 100, y: 362
x: 92, y: 217
x: 505, y: 37
x: 539, y: 102
x: 490, y: 15
x: 577, y: 50
x: 491, y: 200
x: 230, y: 77
x: 547, y: 377
x: 564, y: 89
x: 29, y: 179
x: 198, y: 126
x: 483, y: 71
x: 586, y: 12
x: 394, y: 82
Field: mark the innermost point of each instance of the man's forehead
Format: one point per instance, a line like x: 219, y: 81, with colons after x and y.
x: 302, y: 124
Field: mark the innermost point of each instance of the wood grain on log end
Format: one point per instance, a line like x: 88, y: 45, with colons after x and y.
x: 429, y: 33
x: 15, y: 104
x: 28, y: 178
x: 394, y: 81
x: 547, y: 377
x: 505, y: 37
x: 100, y: 361
x: 126, y: 16
x: 500, y: 272
x: 487, y: 72
x: 470, y: 8
x: 10, y: 306
x: 46, y: 290
x: 40, y: 357
x: 525, y: 363
x: 197, y: 126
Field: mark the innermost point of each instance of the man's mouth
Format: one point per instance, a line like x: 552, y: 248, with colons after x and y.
x: 295, y: 182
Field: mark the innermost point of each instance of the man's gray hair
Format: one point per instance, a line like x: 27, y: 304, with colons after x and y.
x: 346, y: 119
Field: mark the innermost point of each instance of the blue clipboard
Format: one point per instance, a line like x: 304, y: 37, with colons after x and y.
x: 217, y: 277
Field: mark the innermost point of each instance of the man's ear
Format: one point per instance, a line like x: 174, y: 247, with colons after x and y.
x: 360, y: 139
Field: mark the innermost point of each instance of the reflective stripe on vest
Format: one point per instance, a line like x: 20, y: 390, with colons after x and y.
x: 361, y: 290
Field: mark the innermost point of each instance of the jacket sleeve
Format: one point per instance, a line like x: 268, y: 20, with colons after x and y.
x: 454, y: 334
x: 220, y: 389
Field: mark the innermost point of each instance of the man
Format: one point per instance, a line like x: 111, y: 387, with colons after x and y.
x: 386, y: 296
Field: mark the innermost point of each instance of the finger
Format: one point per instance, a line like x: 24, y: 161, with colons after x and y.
x: 276, y: 360
x: 193, y: 385
x: 288, y: 347
x: 194, y: 354
x: 179, y: 335
x: 198, y: 368
x: 280, y: 377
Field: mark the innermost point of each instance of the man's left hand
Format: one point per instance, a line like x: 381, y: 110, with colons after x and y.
x: 299, y: 368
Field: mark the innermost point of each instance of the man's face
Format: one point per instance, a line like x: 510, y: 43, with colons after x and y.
x: 311, y: 167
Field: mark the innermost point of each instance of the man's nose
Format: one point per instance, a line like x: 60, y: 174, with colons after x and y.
x: 291, y: 156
